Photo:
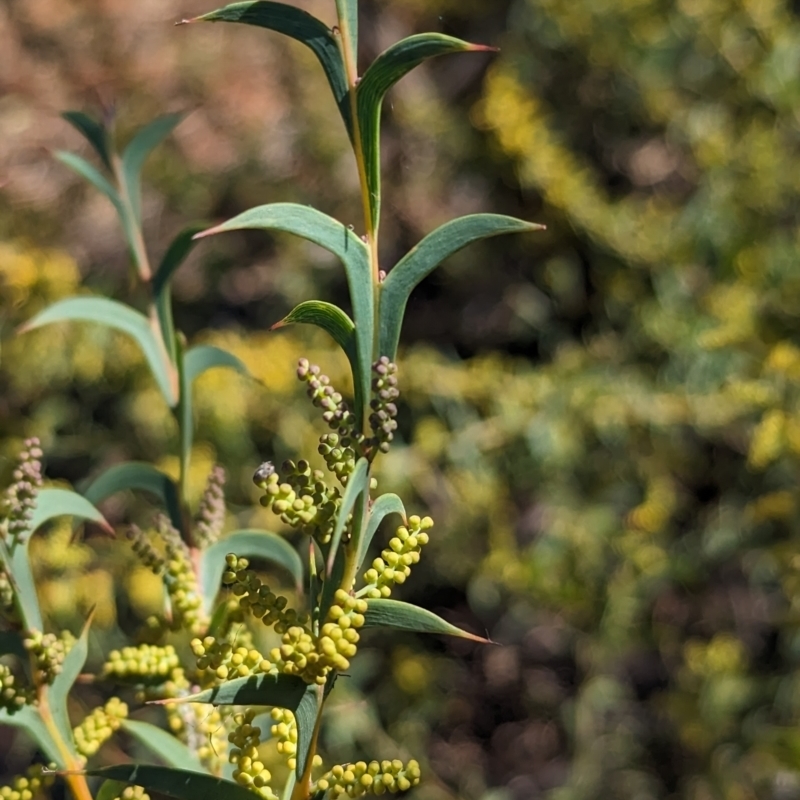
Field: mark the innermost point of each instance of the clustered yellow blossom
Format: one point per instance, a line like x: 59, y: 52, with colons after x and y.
x: 12, y: 696
x: 99, y: 726
x: 394, y: 564
x: 250, y: 770
x: 26, y: 787
x: 284, y: 731
x: 48, y: 652
x: 146, y: 664
x: 377, y: 777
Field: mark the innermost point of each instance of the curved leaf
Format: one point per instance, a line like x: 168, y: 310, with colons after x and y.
x: 382, y: 74
x: 122, y: 318
x: 305, y: 716
x: 50, y: 503
x: 303, y: 27
x: 357, y: 485
x: 93, y: 176
x: 425, y: 257
x: 386, y: 504
x: 332, y: 320
x: 176, y: 253
x: 178, y: 783
x: 137, y: 475
x: 165, y: 746
x: 94, y: 132
x: 58, y: 693
x: 406, y: 617
x: 137, y: 151
x: 284, y: 691
x: 326, y: 232
x: 249, y: 544
x: 29, y: 720
x: 196, y: 361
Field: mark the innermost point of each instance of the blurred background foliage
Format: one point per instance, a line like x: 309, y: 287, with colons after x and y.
x: 602, y: 419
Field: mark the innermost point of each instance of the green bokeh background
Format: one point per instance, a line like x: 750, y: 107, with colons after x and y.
x: 602, y: 419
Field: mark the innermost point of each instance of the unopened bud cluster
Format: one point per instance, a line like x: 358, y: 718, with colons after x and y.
x: 339, y: 454
x: 181, y: 581
x: 143, y: 547
x: 26, y: 787
x: 339, y: 635
x: 12, y: 696
x: 146, y: 664
x: 133, y: 793
x: 20, y: 497
x: 335, y: 410
x: 211, y: 515
x: 257, y: 598
x: 302, y: 499
x: 383, y: 403
x: 395, y: 562
x: 250, y: 770
x: 6, y: 595
x: 48, y: 652
x: 223, y: 661
x: 375, y: 777
x: 99, y: 726
x: 284, y: 731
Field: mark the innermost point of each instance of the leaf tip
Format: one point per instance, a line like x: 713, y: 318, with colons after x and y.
x: 483, y: 48
x: 281, y: 323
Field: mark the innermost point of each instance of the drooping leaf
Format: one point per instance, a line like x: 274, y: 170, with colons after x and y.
x: 137, y: 475
x: 29, y: 720
x: 357, y: 485
x: 284, y: 691
x: 248, y: 544
x: 50, y: 503
x: 173, y: 752
x: 407, y: 617
x: 425, y: 257
x: 306, y: 717
x: 122, y: 318
x: 332, y: 320
x: 137, y: 151
x: 196, y: 361
x: 58, y: 692
x: 326, y: 232
x: 386, y: 504
x: 176, y: 253
x: 347, y: 11
x: 303, y: 27
x: 382, y: 74
x: 94, y: 132
x: 93, y: 176
x: 178, y: 783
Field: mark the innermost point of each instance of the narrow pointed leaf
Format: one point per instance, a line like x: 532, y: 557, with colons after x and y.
x: 196, y: 361
x: 347, y: 11
x: 173, y: 752
x: 382, y: 74
x: 93, y: 176
x: 122, y: 318
x: 305, y: 716
x: 176, y: 253
x: 303, y: 27
x: 326, y: 232
x: 425, y: 257
x: 385, y: 505
x: 29, y: 720
x: 137, y: 475
x: 136, y: 153
x: 58, y: 693
x: 248, y: 544
x: 406, y: 617
x: 50, y: 503
x: 178, y: 783
x: 284, y: 691
x: 94, y: 132
x: 333, y: 321
x: 357, y: 485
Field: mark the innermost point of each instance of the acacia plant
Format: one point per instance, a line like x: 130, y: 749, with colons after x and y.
x: 212, y: 593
